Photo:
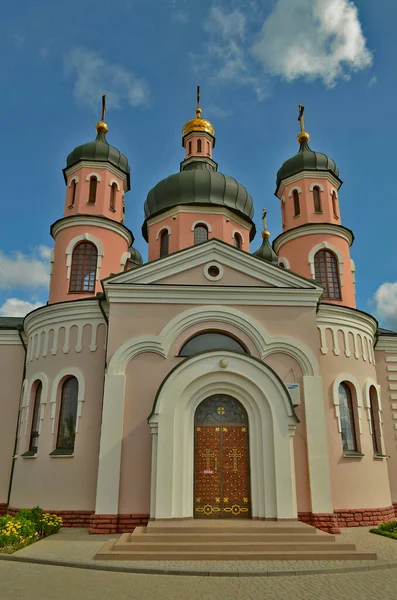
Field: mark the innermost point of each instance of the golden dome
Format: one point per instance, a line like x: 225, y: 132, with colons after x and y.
x: 198, y: 124
x: 102, y: 127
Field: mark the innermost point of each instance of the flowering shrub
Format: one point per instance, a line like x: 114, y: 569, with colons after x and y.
x: 29, y: 525
x: 386, y: 529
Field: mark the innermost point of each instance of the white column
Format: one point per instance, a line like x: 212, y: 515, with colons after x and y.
x: 317, y: 446
x: 154, y: 432
x: 108, y: 485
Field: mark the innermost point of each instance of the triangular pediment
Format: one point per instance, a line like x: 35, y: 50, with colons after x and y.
x: 190, y: 267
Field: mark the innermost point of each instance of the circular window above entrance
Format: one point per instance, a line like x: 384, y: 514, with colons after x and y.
x: 213, y: 271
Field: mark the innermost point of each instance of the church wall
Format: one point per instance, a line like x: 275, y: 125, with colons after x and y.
x: 58, y: 483
x: 12, y: 358
x: 306, y: 202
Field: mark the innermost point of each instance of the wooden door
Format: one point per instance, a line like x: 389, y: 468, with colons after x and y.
x: 221, y: 455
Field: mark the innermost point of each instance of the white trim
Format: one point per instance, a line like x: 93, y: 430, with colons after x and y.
x: 307, y: 175
x: 93, y: 174
x: 265, y: 345
x: 124, y: 258
x: 29, y: 399
x: 10, y: 337
x: 112, y: 181
x: 292, y: 190
x: 313, y: 229
x: 285, y: 261
x: 70, y: 248
x: 72, y: 372
x: 98, y: 165
x: 201, y: 222
x: 209, y: 210
x: 332, y: 190
x: 163, y: 228
x: 326, y: 246
x: 347, y: 378
x: 317, y: 184
x: 387, y: 344
x: 92, y: 221
x: 75, y: 178
x: 367, y: 403
x: 239, y: 233
x: 210, y: 277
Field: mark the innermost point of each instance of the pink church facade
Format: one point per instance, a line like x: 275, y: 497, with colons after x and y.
x: 212, y: 381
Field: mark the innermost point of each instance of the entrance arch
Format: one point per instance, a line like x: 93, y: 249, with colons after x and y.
x: 221, y: 459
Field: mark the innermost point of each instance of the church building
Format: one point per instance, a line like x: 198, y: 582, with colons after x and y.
x: 224, y: 378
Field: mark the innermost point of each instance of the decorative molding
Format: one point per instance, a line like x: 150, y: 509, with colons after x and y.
x: 93, y: 175
x: 10, y: 337
x: 112, y: 181
x: 98, y: 165
x: 210, y: 277
x: 326, y: 246
x: 333, y: 190
x: 70, y: 247
x: 163, y: 228
x: 292, y: 190
x: 325, y: 175
x: 313, y: 229
x: 347, y: 378
x: 387, y: 344
x: 234, y: 232
x: 201, y: 222
x: 317, y: 184
x: 285, y: 261
x: 209, y: 210
x: 92, y: 221
x: 27, y: 406
x: 64, y: 373
x: 367, y: 403
x: 124, y: 258
x: 75, y: 178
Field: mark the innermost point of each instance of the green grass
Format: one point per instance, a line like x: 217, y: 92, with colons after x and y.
x: 386, y: 529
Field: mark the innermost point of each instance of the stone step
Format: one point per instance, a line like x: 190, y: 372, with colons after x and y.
x: 286, y: 538
x: 236, y: 547
x: 214, y: 529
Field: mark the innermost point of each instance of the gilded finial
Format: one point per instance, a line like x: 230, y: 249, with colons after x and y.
x: 303, y: 136
x: 101, y: 126
x: 198, y: 124
x: 265, y: 232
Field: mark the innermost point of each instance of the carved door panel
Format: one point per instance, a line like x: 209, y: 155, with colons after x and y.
x: 222, y: 476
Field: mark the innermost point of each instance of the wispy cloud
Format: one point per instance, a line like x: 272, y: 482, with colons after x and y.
x: 218, y: 112
x: 93, y: 76
x: 385, y: 299
x: 180, y: 16
x: 21, y: 271
x: 313, y: 39
x: 14, y: 307
x: 373, y: 81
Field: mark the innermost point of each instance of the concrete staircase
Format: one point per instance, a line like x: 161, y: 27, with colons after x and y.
x: 229, y: 540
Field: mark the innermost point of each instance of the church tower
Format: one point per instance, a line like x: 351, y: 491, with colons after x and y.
x: 314, y: 242
x: 198, y: 203
x: 91, y: 240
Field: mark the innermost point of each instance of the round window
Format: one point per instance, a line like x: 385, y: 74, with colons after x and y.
x: 213, y: 271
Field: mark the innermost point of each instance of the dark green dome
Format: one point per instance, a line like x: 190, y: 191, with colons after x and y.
x: 306, y: 160
x: 199, y: 184
x: 136, y: 257
x: 99, y: 151
x: 266, y: 252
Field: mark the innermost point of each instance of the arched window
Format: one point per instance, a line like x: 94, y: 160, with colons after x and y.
x: 211, y: 340
x: 190, y: 147
x: 297, y: 210
x: 92, y: 191
x: 34, y: 432
x: 283, y: 213
x: 112, y: 202
x: 317, y: 199
x: 72, y: 193
x: 334, y: 205
x: 208, y: 148
x: 348, y: 426
x: 282, y: 265
x: 237, y: 241
x: 375, y: 423
x: 199, y: 146
x: 200, y: 234
x: 84, y: 265
x: 68, y: 414
x: 164, y: 243
x: 326, y: 270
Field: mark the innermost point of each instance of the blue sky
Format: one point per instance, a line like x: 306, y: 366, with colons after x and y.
x: 256, y: 60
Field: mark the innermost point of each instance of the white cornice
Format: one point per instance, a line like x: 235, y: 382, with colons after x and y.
x: 308, y: 175
x: 91, y: 221
x: 226, y: 255
x: 10, y: 337
x: 341, y: 316
x: 65, y: 313
x: 208, y: 294
x: 313, y: 229
x: 199, y: 209
x: 387, y: 344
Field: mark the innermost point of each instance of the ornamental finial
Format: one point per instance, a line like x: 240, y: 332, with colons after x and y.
x: 265, y: 232
x: 101, y: 126
x: 303, y: 136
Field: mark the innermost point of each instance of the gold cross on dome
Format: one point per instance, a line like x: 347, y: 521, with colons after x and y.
x: 301, y: 117
x: 103, y: 107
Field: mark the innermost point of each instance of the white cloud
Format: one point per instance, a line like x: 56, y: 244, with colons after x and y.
x: 21, y: 271
x: 180, y: 17
x: 94, y: 76
x: 313, y: 39
x: 386, y: 304
x: 373, y: 81
x: 13, y: 307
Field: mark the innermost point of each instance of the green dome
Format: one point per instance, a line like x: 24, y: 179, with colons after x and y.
x: 99, y: 151
x: 199, y: 184
x: 306, y: 160
x: 135, y: 257
x: 266, y: 252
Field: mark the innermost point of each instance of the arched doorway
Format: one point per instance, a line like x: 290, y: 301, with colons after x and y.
x: 221, y: 459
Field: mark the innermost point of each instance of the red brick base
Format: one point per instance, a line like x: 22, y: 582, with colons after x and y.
x: 70, y: 518
x: 325, y: 522
x: 116, y: 523
x: 355, y: 517
x: 3, y: 509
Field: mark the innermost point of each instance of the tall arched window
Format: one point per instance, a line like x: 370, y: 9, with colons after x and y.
x: 72, y: 193
x: 199, y: 146
x: 92, y: 191
x: 68, y: 414
x: 237, y: 241
x: 283, y: 213
x: 164, y: 243
x: 200, y: 234
x: 317, y: 199
x: 208, y: 148
x: 326, y: 270
x: 34, y: 432
x: 190, y: 147
x: 112, y: 202
x: 297, y: 210
x: 348, y: 426
x: 375, y: 423
x: 84, y: 265
x: 334, y: 204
